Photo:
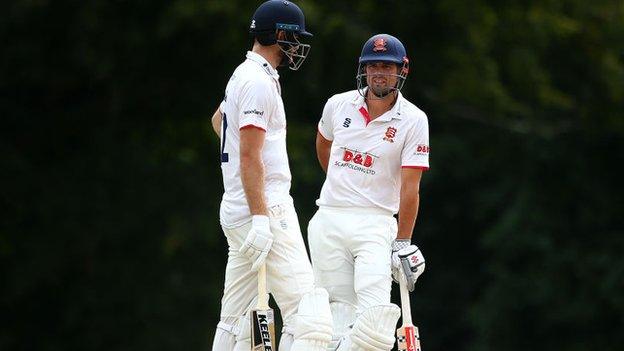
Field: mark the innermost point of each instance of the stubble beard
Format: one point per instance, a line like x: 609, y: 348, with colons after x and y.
x: 380, y: 92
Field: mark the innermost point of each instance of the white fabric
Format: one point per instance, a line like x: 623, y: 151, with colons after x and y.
x: 289, y: 273
x: 286, y: 342
x: 233, y: 334
x: 243, y: 338
x: 225, y: 337
x: 374, y: 329
x: 252, y: 98
x: 350, y: 250
x: 344, y: 316
x: 366, y: 157
x: 258, y: 241
x: 313, y: 327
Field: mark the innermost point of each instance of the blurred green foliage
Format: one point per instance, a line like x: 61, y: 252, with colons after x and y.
x: 109, y: 238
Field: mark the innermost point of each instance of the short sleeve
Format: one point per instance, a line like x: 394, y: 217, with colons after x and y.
x: 255, y: 104
x: 326, y: 124
x: 415, y: 153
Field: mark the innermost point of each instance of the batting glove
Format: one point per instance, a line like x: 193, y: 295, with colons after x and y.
x: 258, y: 242
x: 407, y: 260
x: 412, y: 264
x: 397, y: 245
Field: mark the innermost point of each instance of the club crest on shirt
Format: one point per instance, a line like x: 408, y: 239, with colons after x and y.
x: 390, y: 134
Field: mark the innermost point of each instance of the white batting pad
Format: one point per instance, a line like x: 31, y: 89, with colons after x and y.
x: 344, y: 317
x: 243, y: 338
x: 374, y: 328
x: 313, y: 328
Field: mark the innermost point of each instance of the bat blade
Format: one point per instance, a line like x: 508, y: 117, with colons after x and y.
x: 407, y: 335
x: 262, y: 318
x: 262, y: 330
x: 407, y: 338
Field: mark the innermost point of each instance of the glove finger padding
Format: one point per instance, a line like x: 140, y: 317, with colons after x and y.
x: 258, y: 243
x: 398, y: 245
x: 412, y: 264
x: 256, y: 248
x: 396, y: 274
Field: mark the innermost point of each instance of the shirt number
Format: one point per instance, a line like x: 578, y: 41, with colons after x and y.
x: 224, y: 155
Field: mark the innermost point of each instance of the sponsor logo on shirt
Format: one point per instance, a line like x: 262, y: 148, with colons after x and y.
x: 254, y: 111
x: 356, y: 160
x: 390, y: 134
x: 422, y: 150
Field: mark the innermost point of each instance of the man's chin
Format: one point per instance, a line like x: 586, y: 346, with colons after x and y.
x: 380, y: 93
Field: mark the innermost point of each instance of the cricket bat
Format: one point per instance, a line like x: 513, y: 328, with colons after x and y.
x: 262, y: 319
x: 407, y: 334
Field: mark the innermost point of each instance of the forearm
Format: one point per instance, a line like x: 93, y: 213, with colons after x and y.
x: 252, y: 177
x: 323, y: 158
x: 216, y: 122
x: 408, y: 211
x: 323, y: 148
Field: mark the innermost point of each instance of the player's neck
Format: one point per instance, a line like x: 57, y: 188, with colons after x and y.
x: 271, y: 53
x: 378, y: 106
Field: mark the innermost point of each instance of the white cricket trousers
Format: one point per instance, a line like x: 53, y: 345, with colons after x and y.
x: 351, y: 251
x: 289, y: 273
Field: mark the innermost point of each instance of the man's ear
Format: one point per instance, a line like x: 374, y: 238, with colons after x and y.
x: 280, y: 35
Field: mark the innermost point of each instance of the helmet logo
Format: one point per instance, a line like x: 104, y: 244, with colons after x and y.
x: 253, y: 24
x: 379, y: 45
x: 286, y: 3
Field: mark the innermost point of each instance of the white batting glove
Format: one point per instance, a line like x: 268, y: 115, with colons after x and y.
x: 407, y: 260
x: 397, y: 245
x: 412, y: 264
x: 258, y: 242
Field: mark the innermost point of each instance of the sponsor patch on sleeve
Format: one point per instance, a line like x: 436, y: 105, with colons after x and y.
x: 254, y: 111
x: 422, y: 150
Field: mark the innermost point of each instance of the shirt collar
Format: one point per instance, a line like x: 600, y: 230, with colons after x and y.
x: 395, y: 111
x: 266, y: 66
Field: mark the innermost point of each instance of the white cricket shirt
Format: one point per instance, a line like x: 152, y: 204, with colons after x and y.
x: 366, y: 156
x: 253, y: 99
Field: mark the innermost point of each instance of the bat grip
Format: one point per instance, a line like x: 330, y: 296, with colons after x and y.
x: 406, y: 309
x: 263, y: 302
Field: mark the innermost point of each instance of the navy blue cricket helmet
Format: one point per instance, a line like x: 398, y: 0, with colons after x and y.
x: 278, y: 14
x: 383, y: 48
x: 282, y: 15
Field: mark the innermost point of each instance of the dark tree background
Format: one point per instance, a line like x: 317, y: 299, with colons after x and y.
x: 109, y: 238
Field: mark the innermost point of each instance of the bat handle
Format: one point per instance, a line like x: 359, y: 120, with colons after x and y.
x: 263, y: 302
x: 405, y: 301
